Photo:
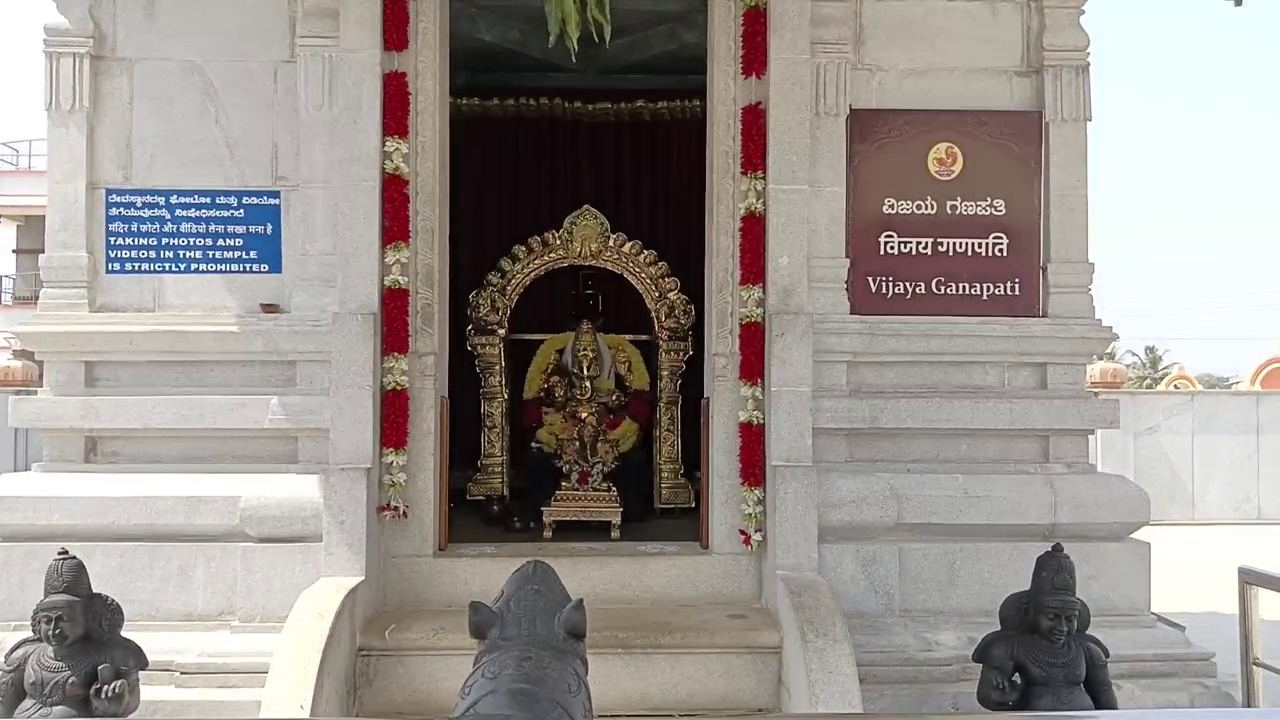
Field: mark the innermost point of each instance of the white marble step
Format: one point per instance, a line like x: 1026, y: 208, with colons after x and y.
x: 621, y: 573
x: 165, y: 701
x: 653, y: 659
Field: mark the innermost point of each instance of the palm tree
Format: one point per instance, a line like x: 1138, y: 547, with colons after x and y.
x: 1146, y: 371
x: 1113, y: 353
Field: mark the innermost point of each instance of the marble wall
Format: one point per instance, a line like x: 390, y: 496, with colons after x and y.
x: 1211, y: 456
x: 940, y: 455
x: 920, y: 424
x: 198, y: 95
x: 174, y: 389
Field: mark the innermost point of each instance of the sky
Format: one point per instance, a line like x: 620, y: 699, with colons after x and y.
x: 1184, y: 168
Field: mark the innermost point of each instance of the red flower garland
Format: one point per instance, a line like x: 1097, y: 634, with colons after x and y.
x: 395, y: 26
x: 753, y: 138
x: 753, y: 62
x: 397, y: 231
x: 395, y: 210
x: 395, y: 321
x: 751, y: 352
x: 754, y: 58
x: 395, y: 104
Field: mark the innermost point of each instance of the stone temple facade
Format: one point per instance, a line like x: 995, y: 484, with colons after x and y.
x: 213, y: 463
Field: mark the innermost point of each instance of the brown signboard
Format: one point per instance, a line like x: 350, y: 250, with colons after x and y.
x: 944, y: 212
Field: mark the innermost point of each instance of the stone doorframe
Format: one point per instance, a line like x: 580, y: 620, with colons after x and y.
x: 428, y: 361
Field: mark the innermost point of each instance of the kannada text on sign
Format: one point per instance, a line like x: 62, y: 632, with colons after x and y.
x: 193, y: 232
x: 944, y: 213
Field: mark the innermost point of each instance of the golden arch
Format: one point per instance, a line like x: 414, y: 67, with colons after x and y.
x: 585, y: 239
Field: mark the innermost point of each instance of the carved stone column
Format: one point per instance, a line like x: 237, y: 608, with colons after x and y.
x: 721, y: 322
x: 1069, y: 274
x: 338, y: 45
x: 791, y: 525
x: 427, y: 63
x: 313, y: 276
x: 833, y: 26
x: 66, y: 265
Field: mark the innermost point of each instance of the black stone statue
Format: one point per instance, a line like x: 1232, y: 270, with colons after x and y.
x: 1043, y: 658
x: 532, y: 661
x: 75, y: 664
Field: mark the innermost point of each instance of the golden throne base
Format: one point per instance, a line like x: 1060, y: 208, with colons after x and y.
x: 583, y: 506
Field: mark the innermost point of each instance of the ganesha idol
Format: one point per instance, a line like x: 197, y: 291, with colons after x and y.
x: 586, y: 412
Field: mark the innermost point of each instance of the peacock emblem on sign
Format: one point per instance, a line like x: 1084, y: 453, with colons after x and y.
x: 945, y: 161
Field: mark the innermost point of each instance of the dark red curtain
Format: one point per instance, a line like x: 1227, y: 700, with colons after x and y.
x: 517, y: 169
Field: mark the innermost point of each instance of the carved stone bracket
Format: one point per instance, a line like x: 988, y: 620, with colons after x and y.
x: 77, y: 18
x: 315, y: 74
x: 66, y: 70
x: 68, y: 46
x: 1067, y: 97
x: 1066, y: 62
x: 1063, y: 31
x: 318, y: 28
x: 831, y: 87
x: 833, y: 31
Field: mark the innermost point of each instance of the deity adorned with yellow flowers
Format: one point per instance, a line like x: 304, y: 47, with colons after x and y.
x: 587, y: 409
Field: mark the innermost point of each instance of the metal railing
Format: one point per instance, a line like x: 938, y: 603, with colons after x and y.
x: 1251, y: 662
x: 20, y: 288
x: 24, y: 155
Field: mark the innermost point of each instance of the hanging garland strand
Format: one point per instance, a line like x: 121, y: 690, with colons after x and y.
x: 753, y: 63
x: 396, y: 236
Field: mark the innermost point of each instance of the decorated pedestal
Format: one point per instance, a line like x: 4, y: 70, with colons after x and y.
x: 583, y: 506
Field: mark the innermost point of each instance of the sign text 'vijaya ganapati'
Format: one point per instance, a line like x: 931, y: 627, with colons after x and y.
x: 944, y: 214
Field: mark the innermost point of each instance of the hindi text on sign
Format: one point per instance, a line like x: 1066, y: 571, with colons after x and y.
x: 994, y: 245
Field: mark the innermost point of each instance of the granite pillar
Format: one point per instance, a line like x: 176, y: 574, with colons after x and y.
x: 67, y: 263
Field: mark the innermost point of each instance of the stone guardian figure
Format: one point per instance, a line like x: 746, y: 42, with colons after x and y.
x: 1043, y: 658
x: 532, y: 662
x: 76, y: 664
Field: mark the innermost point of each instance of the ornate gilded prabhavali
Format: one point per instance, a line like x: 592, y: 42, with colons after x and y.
x: 586, y: 240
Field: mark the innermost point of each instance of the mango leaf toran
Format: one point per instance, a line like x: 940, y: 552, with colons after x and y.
x: 564, y: 18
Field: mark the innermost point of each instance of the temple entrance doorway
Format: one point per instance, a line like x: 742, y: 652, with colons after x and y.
x: 575, y: 383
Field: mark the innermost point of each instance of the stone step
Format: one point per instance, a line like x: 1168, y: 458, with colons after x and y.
x: 620, y: 573
x: 204, y: 680
x: 166, y: 701
x: 924, y: 665
x: 651, y: 659
x: 937, y: 698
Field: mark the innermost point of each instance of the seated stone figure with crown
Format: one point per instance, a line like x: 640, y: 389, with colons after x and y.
x: 1043, y: 658
x: 587, y: 408
x: 75, y: 664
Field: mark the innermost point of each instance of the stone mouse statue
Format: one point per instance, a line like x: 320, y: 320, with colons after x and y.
x: 532, y: 661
